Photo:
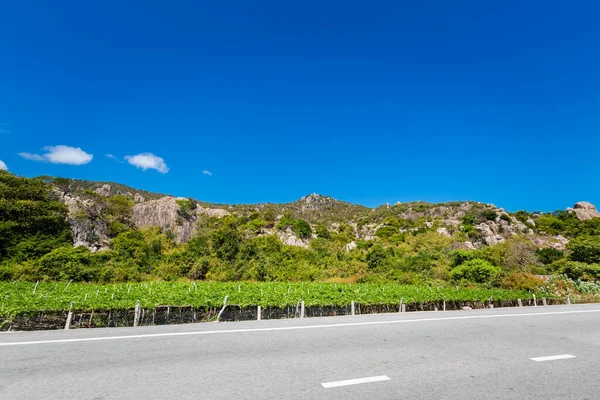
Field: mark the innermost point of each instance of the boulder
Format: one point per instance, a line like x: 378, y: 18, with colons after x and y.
x: 490, y: 240
x: 485, y: 229
x: 212, y: 212
x: 138, y: 198
x: 443, y: 231
x: 105, y: 190
x: 469, y: 246
x: 530, y: 222
x: 351, y: 246
x: 584, y: 211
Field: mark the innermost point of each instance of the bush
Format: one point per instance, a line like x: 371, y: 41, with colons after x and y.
x: 168, y: 271
x: 302, y: 229
x: 474, y: 271
x: 322, y: 231
x: 386, y: 232
x: 469, y: 219
x: 585, y: 249
x: 226, y: 243
x: 578, y: 270
x: 506, y: 218
x: 549, y: 255
x: 66, y: 263
x: 459, y: 257
x: 489, y: 215
x: 187, y: 208
x: 377, y: 257
x: 522, y: 281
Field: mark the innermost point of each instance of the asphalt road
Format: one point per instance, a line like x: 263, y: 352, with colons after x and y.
x: 479, y: 354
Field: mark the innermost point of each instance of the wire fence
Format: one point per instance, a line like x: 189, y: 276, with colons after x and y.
x: 171, y: 315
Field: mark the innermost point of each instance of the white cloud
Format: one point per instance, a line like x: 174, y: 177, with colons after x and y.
x: 61, y: 155
x: 32, y: 157
x: 3, y: 166
x: 147, y: 161
x: 206, y: 172
x: 112, y: 157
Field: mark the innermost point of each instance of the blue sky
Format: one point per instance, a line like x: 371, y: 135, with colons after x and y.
x: 369, y: 102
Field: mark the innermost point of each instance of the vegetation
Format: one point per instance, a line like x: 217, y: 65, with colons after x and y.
x: 20, y: 297
x: 36, y: 245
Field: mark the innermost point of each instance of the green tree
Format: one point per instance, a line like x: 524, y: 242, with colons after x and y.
x: 474, y: 271
x: 549, y: 255
x: 385, y: 232
x: 131, y: 247
x: 302, y: 229
x: 322, y: 231
x: 377, y: 257
x: 32, y: 220
x: 226, y: 243
x: 66, y: 263
x: 585, y: 249
x: 187, y: 208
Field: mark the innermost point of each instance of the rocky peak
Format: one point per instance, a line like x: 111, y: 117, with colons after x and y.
x: 584, y: 211
x: 104, y: 190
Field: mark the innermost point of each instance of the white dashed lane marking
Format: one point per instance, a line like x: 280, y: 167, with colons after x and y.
x: 358, y: 381
x: 552, y: 358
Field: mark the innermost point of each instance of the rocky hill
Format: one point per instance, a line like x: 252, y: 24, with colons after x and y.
x: 93, y: 219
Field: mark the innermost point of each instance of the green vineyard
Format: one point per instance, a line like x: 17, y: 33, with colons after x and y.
x: 26, y: 297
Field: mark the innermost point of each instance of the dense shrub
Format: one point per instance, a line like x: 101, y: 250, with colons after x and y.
x: 302, y: 229
x: 489, y: 215
x: 377, y: 257
x: 386, y: 232
x: 585, y: 249
x: 459, y: 257
x: 577, y: 270
x: 522, y: 281
x: 474, y: 271
x: 549, y: 255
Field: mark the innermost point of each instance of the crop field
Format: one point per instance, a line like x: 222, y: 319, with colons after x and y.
x: 24, y: 297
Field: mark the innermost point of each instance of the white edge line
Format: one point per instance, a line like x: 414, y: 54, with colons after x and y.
x: 358, y: 381
x: 552, y: 358
x: 291, y: 328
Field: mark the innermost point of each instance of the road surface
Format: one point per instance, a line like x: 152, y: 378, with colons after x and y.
x: 525, y: 353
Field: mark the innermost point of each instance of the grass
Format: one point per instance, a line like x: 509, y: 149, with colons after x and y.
x: 19, y: 297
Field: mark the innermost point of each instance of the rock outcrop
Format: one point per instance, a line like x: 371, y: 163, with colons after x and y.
x: 165, y: 213
x: 105, y: 190
x: 87, y: 226
x: 584, y: 211
x: 289, y: 237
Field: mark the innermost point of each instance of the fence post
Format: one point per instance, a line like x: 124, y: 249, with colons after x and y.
x: 544, y: 303
x: 519, y: 303
x: 222, y: 309
x: 258, y: 313
x: 400, y: 309
x: 69, y: 317
x: 534, y: 301
x: 444, y: 305
x: 491, y: 302
x: 136, y: 316
x: 569, y: 299
x: 353, y: 308
x: 302, y: 309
